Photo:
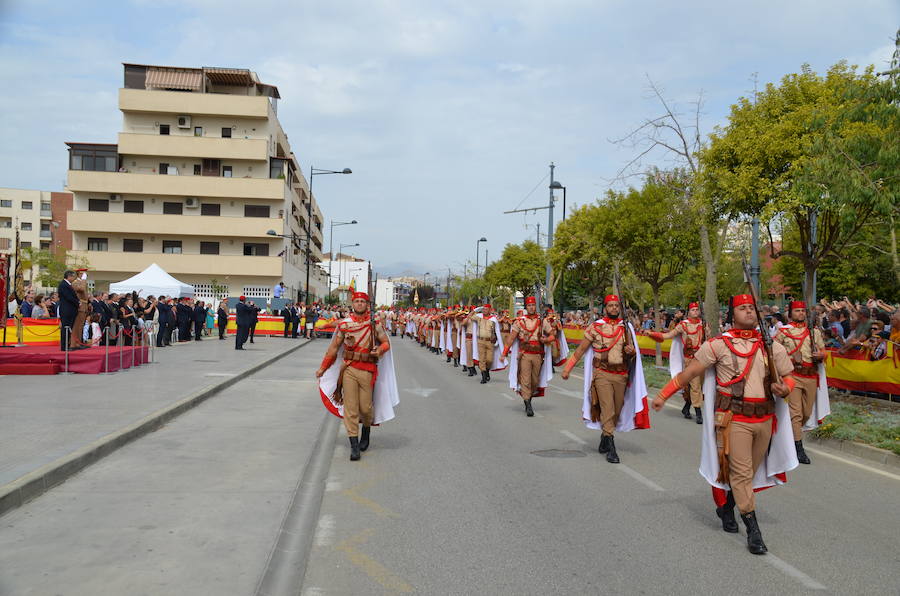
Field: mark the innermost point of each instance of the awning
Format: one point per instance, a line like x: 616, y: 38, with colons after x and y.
x: 174, y: 78
x: 268, y: 90
x: 230, y: 76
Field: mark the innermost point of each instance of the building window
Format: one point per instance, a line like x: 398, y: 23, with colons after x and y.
x: 210, y: 209
x: 256, y: 211
x: 46, y: 209
x: 5, y: 203
x: 172, y: 247
x: 173, y: 208
x: 226, y: 171
x: 98, y: 244
x: 45, y: 246
x: 198, y: 131
x: 26, y: 226
x: 196, y: 169
x: 210, y: 167
x: 134, y: 206
x: 276, y: 168
x: 226, y: 133
x: 25, y: 244
x: 256, y: 250
x: 132, y: 245
x: 96, y: 158
x: 5, y: 243
x: 209, y: 248
x: 163, y: 168
x: 98, y: 204
x: 163, y: 129
x: 27, y: 205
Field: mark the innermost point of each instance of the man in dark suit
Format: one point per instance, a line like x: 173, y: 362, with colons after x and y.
x: 243, y: 319
x: 254, y: 319
x: 288, y: 315
x: 295, y: 321
x: 164, y: 320
x: 68, y: 310
x: 199, y: 317
x: 183, y: 316
x: 222, y: 319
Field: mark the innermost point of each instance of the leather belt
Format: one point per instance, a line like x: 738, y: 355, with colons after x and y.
x: 745, y: 408
x: 806, y: 370
x: 614, y: 368
x: 359, y: 356
x: 468, y: 336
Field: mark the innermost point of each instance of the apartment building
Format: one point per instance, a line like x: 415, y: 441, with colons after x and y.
x: 202, y: 182
x: 40, y: 217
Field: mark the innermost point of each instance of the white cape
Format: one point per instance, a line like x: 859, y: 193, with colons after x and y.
x: 781, y: 458
x: 385, y: 397
x: 822, y: 405
x: 635, y: 400
x: 498, y: 363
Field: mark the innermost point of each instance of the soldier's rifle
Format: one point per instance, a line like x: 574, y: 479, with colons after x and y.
x: 763, y: 329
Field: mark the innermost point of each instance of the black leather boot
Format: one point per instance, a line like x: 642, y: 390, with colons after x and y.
x: 354, y: 448
x: 465, y: 369
x: 699, y: 417
x: 726, y: 514
x: 528, y: 411
x: 483, y: 378
x: 364, y: 438
x: 487, y: 376
x: 611, y: 455
x: 456, y: 363
x: 449, y: 358
x: 755, y: 542
x: 604, y: 444
x: 686, y: 410
x: 801, y: 453
x: 471, y: 371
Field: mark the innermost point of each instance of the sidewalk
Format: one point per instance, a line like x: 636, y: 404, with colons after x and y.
x: 45, y: 418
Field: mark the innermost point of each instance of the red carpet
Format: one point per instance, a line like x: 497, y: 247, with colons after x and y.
x: 42, y: 360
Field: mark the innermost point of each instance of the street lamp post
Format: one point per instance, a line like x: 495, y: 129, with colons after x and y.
x: 425, y: 280
x: 314, y: 172
x: 331, y: 245
x: 483, y: 239
x: 562, y: 276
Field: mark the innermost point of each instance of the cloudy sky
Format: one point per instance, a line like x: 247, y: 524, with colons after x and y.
x: 448, y: 112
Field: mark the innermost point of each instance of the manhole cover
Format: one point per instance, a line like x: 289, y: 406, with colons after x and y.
x: 558, y: 453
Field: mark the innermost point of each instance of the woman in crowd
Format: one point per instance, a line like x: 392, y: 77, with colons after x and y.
x: 40, y: 311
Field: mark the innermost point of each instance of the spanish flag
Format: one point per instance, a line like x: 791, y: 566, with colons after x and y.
x: 352, y: 285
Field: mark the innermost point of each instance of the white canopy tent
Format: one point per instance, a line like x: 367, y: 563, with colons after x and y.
x: 153, y: 281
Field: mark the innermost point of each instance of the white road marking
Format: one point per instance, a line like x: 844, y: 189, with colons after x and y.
x: 421, y: 391
x: 853, y: 463
x: 325, y: 530
x: 509, y: 397
x: 792, y: 571
x: 333, y: 486
x: 574, y: 437
x: 219, y: 374
x: 568, y: 392
x: 640, y: 478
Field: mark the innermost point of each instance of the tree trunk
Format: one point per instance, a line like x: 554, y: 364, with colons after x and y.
x: 894, y: 258
x: 656, y: 309
x: 710, y: 298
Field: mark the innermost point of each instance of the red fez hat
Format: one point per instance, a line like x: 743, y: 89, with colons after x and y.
x: 487, y: 306
x: 796, y: 304
x: 80, y: 270
x: 693, y: 305
x: 530, y: 300
x: 741, y: 299
x: 610, y: 298
x: 242, y: 298
x: 360, y: 296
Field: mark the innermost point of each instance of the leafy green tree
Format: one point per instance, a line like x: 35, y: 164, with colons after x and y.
x: 797, y: 151
x: 519, y: 268
x: 586, y: 263
x: 51, y: 265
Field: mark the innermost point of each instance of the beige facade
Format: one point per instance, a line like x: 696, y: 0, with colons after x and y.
x: 30, y: 211
x: 201, y: 172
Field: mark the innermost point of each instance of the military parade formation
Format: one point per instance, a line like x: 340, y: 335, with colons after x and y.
x: 752, y: 395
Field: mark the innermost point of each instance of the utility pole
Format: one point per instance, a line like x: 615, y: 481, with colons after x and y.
x: 549, y: 236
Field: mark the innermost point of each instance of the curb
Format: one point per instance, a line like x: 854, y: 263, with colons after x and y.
x: 24, y: 489
x: 286, y: 565
x: 861, y: 450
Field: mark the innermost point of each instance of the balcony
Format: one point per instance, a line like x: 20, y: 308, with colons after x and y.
x: 181, y: 186
x: 46, y: 234
x: 154, y: 224
x: 191, y: 146
x: 182, y: 264
x: 211, y: 104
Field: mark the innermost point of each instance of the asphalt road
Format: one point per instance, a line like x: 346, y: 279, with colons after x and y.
x: 453, y: 497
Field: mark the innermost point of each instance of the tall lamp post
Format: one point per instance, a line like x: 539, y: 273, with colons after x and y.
x: 424, y: 281
x: 562, y: 276
x: 314, y: 172
x: 331, y: 245
x: 341, y: 252
x: 477, y: 244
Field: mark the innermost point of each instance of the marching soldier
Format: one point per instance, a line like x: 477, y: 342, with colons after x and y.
x: 615, y: 393
x: 741, y: 452
x: 686, y: 336
x: 552, y: 329
x: 362, y: 389
x: 810, y: 395
x: 486, y: 329
x: 527, y: 359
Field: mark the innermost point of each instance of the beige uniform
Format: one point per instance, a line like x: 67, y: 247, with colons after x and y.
x: 358, y: 372
x: 527, y: 330
x: 84, y: 309
x: 692, y: 337
x: 800, y: 348
x: 608, y: 339
x: 742, y: 391
x: 550, y: 328
x: 487, y: 339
